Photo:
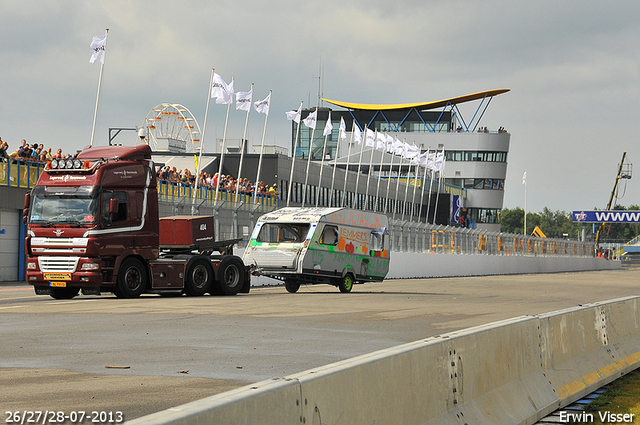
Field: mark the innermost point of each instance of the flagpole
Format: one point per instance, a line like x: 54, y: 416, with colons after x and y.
x: 204, y: 128
x: 95, y: 113
x: 422, y: 184
x: 224, y: 140
x: 429, y: 201
x: 524, y: 181
x: 264, y: 132
x: 386, y: 201
x: 346, y: 173
x: 366, y: 196
x: 364, y: 136
x: 242, y: 146
x: 293, y: 158
x: 406, y: 191
x: 395, y: 206
x: 440, y: 172
x: 380, y: 171
x: 324, y: 151
x: 413, y: 195
x: 333, y: 174
x: 306, y: 177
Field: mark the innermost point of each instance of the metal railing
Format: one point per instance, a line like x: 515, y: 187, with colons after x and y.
x: 420, y: 237
x: 18, y: 173
x: 172, y: 192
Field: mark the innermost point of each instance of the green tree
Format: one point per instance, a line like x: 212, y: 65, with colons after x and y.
x: 512, y: 220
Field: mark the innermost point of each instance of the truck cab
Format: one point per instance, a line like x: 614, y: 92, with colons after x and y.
x: 93, y: 226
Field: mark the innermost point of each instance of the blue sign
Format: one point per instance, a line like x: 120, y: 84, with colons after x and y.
x: 612, y: 216
x: 455, y: 211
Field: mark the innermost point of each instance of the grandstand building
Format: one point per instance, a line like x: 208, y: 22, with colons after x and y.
x: 476, y: 158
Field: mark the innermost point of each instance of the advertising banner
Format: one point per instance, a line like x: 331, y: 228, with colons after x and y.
x: 606, y: 216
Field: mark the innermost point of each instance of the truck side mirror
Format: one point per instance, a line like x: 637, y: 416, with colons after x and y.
x: 113, y: 206
x: 27, y: 203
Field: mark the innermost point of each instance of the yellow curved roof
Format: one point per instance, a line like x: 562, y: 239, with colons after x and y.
x: 419, y: 105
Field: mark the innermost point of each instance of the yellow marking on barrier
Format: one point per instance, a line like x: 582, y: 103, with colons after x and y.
x: 593, y: 377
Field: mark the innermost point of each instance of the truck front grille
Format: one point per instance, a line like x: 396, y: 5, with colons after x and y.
x: 58, y: 264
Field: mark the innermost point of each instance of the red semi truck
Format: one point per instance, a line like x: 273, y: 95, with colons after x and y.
x: 93, y: 226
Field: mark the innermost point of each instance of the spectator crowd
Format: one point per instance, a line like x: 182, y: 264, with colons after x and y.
x: 38, y: 153
x: 26, y: 152
x: 227, y: 183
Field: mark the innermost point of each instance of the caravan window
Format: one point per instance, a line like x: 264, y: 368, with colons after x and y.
x: 329, y: 235
x: 378, y: 238
x: 283, y: 232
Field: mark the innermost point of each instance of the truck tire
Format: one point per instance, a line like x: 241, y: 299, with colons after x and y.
x: 132, y: 279
x: 231, y: 275
x: 64, y: 293
x: 291, y: 285
x: 199, y: 277
x: 346, y: 283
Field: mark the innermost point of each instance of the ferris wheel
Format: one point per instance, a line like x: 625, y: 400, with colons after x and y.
x: 172, y: 127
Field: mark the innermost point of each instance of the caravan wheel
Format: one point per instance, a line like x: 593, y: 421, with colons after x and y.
x: 292, y: 285
x: 346, y: 284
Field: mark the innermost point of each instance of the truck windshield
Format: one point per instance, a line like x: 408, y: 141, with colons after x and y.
x: 283, y: 232
x: 64, y: 205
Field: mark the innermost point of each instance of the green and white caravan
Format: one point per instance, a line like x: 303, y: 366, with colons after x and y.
x: 337, y: 246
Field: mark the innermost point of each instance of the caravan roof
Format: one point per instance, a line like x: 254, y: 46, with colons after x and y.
x: 290, y: 214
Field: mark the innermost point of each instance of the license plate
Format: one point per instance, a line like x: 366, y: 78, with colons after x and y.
x: 59, y: 284
x: 57, y: 276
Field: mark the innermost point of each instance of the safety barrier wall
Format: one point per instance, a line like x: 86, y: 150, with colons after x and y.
x: 410, y: 265
x: 511, y: 372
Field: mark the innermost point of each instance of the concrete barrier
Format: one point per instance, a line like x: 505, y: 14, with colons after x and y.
x: 514, y: 371
x: 409, y: 265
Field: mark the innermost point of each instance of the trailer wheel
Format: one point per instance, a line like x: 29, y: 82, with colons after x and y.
x: 132, y: 279
x: 292, y: 285
x: 199, y: 278
x: 231, y: 275
x: 346, y: 284
x: 64, y: 293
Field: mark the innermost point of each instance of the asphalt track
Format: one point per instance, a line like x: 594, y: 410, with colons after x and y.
x: 144, y: 355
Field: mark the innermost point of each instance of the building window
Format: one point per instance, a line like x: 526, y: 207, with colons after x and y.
x: 475, y: 156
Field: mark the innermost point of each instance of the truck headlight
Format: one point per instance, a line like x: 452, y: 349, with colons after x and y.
x: 31, y: 266
x: 90, y: 266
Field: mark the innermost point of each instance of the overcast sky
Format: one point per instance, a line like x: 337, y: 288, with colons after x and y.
x: 572, y: 68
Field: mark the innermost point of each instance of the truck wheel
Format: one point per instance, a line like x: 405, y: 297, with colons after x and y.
x: 64, y: 293
x: 199, y: 278
x: 346, y: 283
x: 132, y: 279
x: 231, y: 274
x: 291, y: 285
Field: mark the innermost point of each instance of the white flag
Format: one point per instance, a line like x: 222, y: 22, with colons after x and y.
x: 398, y: 146
x: 262, y: 106
x: 381, y: 142
x: 370, y: 138
x: 328, y: 128
x: 357, y: 134
x: 243, y: 100
x: 98, y: 45
x: 410, y: 151
x: 389, y: 144
x: 294, y: 115
x: 439, y: 162
x: 311, y: 119
x: 431, y: 161
x: 222, y: 92
x: 424, y: 158
x: 342, y: 132
x: 524, y: 178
